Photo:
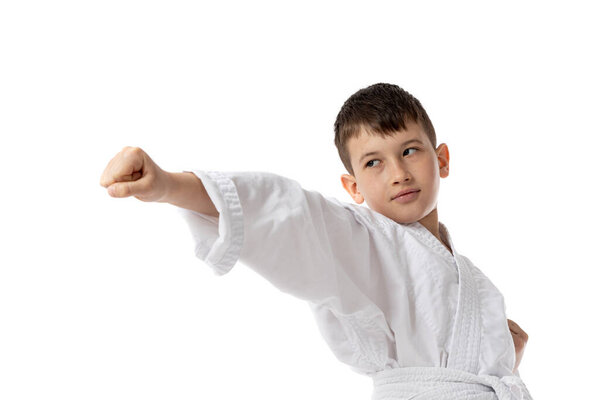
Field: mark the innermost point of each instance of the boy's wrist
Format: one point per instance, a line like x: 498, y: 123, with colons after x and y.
x: 169, y: 184
x: 174, y: 183
x: 186, y: 190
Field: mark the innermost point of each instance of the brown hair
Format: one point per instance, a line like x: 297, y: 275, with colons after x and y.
x: 383, y: 109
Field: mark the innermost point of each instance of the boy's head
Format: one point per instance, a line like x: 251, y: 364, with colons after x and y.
x: 382, y: 109
x: 387, y: 143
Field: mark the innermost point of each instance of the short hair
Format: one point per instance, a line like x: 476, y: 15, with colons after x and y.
x: 381, y: 109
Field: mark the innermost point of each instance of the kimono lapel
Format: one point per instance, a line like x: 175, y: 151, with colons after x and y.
x: 465, y: 342
x: 466, y: 333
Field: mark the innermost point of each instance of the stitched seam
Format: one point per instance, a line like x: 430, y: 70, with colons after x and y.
x: 236, y: 222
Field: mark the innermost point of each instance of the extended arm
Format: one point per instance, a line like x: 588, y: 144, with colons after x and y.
x: 303, y: 243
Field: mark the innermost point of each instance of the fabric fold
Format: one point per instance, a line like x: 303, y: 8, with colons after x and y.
x: 219, y: 241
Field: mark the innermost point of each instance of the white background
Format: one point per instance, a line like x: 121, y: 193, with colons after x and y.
x: 103, y: 298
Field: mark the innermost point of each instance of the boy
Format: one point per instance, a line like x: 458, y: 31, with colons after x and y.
x: 391, y: 296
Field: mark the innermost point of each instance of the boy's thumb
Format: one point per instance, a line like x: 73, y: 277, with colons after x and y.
x: 120, y: 189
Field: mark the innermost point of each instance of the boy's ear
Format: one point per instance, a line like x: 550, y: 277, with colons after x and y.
x: 349, y: 183
x: 443, y: 157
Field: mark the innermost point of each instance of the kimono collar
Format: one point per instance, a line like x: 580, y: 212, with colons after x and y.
x: 433, y: 242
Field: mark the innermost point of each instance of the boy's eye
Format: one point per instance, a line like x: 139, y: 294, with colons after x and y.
x: 411, y: 148
x: 372, y: 163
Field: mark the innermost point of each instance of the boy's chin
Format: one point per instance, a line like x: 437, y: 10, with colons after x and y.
x: 397, y: 217
x: 405, y: 221
x: 401, y: 219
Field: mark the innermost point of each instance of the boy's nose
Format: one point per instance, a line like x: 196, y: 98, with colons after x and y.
x: 399, y: 174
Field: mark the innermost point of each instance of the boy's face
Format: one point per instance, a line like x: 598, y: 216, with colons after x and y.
x: 385, y: 166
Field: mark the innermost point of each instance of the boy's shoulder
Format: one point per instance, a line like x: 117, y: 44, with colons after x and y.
x: 372, y: 220
x: 290, y: 188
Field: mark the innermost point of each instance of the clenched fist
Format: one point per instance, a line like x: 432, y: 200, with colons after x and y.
x: 520, y: 340
x: 133, y: 173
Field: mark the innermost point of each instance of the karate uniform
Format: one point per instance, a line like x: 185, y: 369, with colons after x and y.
x: 390, y: 300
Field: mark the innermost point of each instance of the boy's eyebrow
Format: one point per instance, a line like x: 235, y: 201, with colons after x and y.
x: 372, y: 153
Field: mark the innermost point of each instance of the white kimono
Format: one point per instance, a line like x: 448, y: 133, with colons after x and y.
x: 390, y: 300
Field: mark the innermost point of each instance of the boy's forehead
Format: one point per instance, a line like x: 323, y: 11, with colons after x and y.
x: 366, y: 140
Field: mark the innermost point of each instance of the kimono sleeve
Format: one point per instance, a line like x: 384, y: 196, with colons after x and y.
x: 303, y: 243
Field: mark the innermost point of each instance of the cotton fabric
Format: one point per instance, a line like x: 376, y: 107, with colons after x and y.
x: 386, y: 297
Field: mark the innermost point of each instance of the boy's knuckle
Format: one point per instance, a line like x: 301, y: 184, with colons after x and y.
x: 135, y: 150
x: 128, y: 150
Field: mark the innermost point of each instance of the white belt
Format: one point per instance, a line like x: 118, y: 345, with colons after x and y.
x: 436, y: 383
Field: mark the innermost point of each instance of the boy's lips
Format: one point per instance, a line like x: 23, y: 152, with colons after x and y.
x: 402, y: 193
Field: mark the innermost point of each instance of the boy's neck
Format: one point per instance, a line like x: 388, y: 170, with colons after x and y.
x: 431, y: 222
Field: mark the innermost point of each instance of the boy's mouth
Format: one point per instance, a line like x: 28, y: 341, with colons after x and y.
x: 405, y: 192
